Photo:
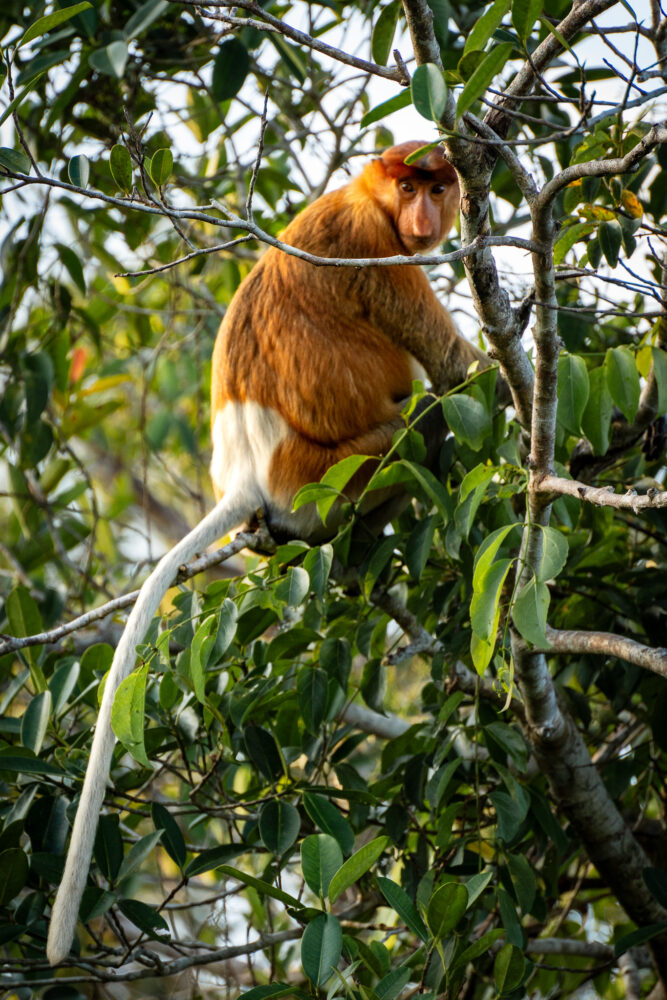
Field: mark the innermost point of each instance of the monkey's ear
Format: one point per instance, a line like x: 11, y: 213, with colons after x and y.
x: 433, y: 165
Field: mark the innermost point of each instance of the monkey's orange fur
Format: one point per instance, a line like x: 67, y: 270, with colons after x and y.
x: 332, y: 351
x: 311, y: 364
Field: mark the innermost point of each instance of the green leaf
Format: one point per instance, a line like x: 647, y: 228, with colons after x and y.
x: 508, y: 969
x: 420, y: 544
x: 402, y: 100
x: 230, y: 69
x: 25, y: 762
x: 120, y: 165
x: 555, y: 551
x: 160, y: 166
x: 483, y: 76
x: 200, y: 651
x: 51, y: 21
x: 214, y: 857
x: 656, y: 883
x: 399, y: 901
x: 35, y: 721
x: 623, y: 380
x: 138, y: 853
x: 110, y: 60
x: 321, y: 948
x: 108, y: 849
x: 383, y: 33
x: 312, y: 687
x: 269, y: 991
x: 660, y: 372
x: 24, y: 619
x: 636, y: 938
x: 291, y: 57
x: 523, y: 880
x: 570, y: 236
x: 529, y: 613
x: 263, y: 751
x: 14, y: 160
x: 524, y: 15
x: 317, y: 565
x: 486, y: 25
x: 14, y: 869
x: 172, y: 838
x: 127, y: 714
x: 429, y: 91
x: 391, y: 985
x: 73, y: 265
x: 596, y: 419
x: 573, y: 390
x: 476, y: 885
x: 611, y: 237
x: 78, y: 170
x: 62, y: 683
x: 264, y: 888
x: 329, y: 819
x: 227, y: 619
x: 144, y: 17
x: 356, y: 866
x: 294, y: 588
x: 321, y: 857
x: 431, y: 486
x: 485, y: 604
x: 279, y: 825
x: 468, y: 419
x: 446, y: 907
x: 339, y: 475
x: 145, y: 917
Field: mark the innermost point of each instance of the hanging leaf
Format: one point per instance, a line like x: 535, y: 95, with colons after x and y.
x: 35, y: 722
x: 529, y: 613
x: 279, y: 825
x: 321, y: 857
x: 230, y: 69
x: 446, y: 907
x: 172, y: 838
x: 524, y: 15
x: 596, y: 419
x: 573, y: 389
x: 508, y: 969
x: 468, y: 419
x: 623, y: 380
x: 312, y: 689
x: 429, y: 91
x: 120, y: 165
x: 78, y: 170
x: 110, y: 60
x: 611, y: 237
x: 127, y: 714
x: 383, y: 33
x: 321, y: 948
x: 160, y: 166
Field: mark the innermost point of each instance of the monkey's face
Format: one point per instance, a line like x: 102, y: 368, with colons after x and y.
x: 425, y: 211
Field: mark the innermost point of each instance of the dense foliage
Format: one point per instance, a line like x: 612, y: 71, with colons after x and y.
x: 264, y: 824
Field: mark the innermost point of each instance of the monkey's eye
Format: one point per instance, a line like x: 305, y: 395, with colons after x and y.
x: 407, y: 187
x: 437, y: 189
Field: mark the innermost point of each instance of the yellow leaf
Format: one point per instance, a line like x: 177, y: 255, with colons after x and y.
x: 632, y: 205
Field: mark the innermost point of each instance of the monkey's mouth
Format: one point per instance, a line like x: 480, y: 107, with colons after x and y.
x: 420, y: 244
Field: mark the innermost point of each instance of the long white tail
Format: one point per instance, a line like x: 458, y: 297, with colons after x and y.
x: 229, y: 513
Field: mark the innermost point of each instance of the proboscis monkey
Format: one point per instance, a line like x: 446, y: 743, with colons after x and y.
x: 311, y: 364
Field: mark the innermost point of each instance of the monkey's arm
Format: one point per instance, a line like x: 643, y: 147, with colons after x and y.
x: 401, y: 302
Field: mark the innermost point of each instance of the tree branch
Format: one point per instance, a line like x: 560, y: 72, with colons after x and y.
x: 608, y: 644
x: 602, y: 496
x: 244, y: 539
